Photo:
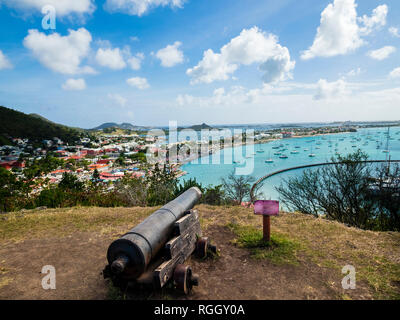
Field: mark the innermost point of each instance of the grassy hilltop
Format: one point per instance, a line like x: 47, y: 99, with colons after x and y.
x: 304, y: 262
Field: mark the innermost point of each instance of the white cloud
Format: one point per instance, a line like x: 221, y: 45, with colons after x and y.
x: 212, y: 67
x: 235, y: 96
x: 376, y: 21
x: 394, y: 32
x: 251, y: 46
x: 110, y: 58
x: 118, y: 99
x: 279, y: 106
x: 63, y: 7
x: 140, y: 83
x: 62, y: 54
x: 395, y: 73
x: 277, y: 68
x: 117, y: 59
x: 365, y: 103
x: 139, y: 7
x: 136, y: 61
x: 238, y: 95
x: 381, y: 54
x: 219, y: 98
x: 331, y: 90
x: 353, y: 72
x: 170, y: 55
x: 4, y: 62
x: 74, y: 84
x: 339, y: 32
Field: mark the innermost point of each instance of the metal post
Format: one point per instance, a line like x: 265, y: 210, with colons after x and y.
x: 266, y: 228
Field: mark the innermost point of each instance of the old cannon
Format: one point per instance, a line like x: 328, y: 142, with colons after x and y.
x: 154, y: 252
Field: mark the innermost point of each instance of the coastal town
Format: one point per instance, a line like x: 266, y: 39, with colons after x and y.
x: 111, y: 157
x: 108, y: 157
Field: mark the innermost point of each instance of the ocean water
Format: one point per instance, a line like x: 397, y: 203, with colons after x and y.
x: 324, y: 148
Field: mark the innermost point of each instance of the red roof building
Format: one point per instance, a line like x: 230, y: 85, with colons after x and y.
x: 12, y: 164
x: 103, y: 161
x: 76, y: 157
x: 99, y: 167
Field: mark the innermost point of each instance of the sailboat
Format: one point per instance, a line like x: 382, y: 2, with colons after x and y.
x: 269, y: 160
x: 260, y: 150
x: 387, y: 142
x: 311, y: 155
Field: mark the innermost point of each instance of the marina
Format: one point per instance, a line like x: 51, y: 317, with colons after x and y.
x: 311, y: 150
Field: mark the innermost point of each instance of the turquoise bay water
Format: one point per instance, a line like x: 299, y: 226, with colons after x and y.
x: 324, y: 148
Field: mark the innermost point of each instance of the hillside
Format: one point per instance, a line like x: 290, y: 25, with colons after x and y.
x: 38, y: 116
x: 305, y: 263
x: 123, y: 126
x: 16, y: 124
x: 200, y: 127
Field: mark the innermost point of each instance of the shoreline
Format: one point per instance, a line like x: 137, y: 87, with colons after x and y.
x: 186, y: 161
x: 362, y: 132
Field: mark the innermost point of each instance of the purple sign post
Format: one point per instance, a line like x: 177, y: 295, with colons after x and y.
x: 266, y: 208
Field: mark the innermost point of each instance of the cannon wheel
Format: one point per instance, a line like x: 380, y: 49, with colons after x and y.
x: 202, y: 247
x: 184, y: 279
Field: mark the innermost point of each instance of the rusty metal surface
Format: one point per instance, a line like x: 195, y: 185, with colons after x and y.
x: 202, y: 247
x: 182, y: 278
x: 143, y: 242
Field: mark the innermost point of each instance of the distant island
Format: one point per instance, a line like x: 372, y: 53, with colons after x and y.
x: 202, y: 126
x: 123, y: 126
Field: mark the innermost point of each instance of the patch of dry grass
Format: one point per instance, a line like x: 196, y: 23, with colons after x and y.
x: 64, y: 222
x: 375, y: 255
x: 4, y: 281
x: 4, y: 277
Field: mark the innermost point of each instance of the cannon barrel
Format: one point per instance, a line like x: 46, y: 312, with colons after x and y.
x: 132, y: 253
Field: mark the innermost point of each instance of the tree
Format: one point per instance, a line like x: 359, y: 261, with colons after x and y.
x: 132, y: 191
x: 237, y: 188
x: 9, y: 190
x: 341, y: 192
x: 70, y: 182
x: 140, y: 157
x: 213, y: 195
x: 96, y: 175
x: 186, y: 185
x: 385, y: 194
x: 121, y: 159
x: 160, y: 185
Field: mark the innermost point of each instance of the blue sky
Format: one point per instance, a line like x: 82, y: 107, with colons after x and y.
x: 144, y: 62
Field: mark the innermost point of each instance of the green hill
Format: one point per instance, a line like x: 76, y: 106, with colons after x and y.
x: 15, y: 124
x: 123, y: 126
x: 200, y: 127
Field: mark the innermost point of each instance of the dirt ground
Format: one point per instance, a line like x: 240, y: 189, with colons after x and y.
x: 79, y: 260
